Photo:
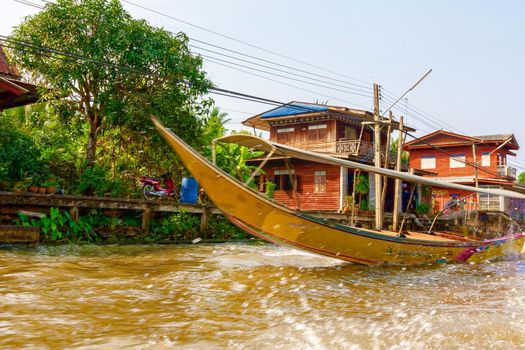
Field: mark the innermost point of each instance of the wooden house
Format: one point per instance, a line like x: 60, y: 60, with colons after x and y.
x: 449, y: 157
x: 13, y: 91
x: 335, y: 131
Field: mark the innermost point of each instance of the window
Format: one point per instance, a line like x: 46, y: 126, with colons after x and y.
x: 457, y: 160
x: 282, y: 180
x: 320, y: 181
x: 428, y: 162
x: 485, y: 159
x: 317, y: 132
x: 350, y: 133
x: 285, y: 135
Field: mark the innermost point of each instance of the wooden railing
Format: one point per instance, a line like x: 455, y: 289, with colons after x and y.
x: 356, y: 148
x: 361, y: 149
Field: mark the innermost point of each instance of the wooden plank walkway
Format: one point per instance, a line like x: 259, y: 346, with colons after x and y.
x: 67, y: 201
x: 11, y: 202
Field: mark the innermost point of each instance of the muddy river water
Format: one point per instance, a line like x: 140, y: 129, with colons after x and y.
x: 240, y: 296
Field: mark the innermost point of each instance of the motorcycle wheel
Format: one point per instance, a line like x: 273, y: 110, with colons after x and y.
x: 146, y: 191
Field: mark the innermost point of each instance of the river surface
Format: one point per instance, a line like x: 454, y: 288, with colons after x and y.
x: 240, y: 296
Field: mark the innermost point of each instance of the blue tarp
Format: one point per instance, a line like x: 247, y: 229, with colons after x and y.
x: 292, y: 109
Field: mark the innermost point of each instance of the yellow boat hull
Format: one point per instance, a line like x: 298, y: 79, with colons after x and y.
x: 275, y: 223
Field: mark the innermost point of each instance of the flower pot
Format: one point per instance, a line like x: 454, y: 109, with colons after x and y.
x: 33, y: 189
x: 42, y: 190
x: 51, y: 189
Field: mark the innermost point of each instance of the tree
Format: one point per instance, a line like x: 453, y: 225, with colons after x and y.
x: 521, y: 178
x: 135, y: 70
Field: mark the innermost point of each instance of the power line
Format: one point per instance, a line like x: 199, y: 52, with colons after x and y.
x: 368, y: 91
x: 285, y: 77
x: 282, y: 65
x: 68, y: 56
x: 240, y: 41
x: 366, y: 87
x: 287, y: 84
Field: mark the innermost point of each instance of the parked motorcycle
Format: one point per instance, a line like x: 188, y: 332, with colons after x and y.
x: 152, y: 188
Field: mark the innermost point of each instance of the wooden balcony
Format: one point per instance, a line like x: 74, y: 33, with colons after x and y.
x: 506, y: 171
x: 355, y: 148
x: 362, y: 149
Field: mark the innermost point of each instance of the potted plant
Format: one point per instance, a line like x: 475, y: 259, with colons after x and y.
x: 19, y: 187
x: 32, y: 185
x: 51, y: 186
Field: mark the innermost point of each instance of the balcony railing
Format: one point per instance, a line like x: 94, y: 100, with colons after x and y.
x: 356, y: 148
x: 507, y: 171
x: 362, y: 149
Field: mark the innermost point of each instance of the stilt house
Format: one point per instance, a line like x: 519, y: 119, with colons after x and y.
x: 336, y: 131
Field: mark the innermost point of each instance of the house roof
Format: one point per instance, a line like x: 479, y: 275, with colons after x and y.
x: 459, y: 139
x: 13, y: 91
x: 495, y: 137
x: 295, y: 111
x: 7, y: 70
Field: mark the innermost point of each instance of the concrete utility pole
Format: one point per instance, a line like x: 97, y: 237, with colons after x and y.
x: 377, y: 160
x: 397, y: 188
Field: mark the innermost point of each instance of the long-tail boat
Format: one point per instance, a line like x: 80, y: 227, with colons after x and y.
x: 275, y: 223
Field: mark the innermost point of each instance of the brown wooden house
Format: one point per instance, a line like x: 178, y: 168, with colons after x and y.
x: 453, y: 163
x: 335, y: 131
x: 13, y: 91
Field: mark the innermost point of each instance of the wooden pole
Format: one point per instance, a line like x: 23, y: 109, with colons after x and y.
x: 214, y: 152
x: 387, y: 153
x: 412, y: 191
x: 397, y: 187
x: 377, y: 161
x: 476, y: 177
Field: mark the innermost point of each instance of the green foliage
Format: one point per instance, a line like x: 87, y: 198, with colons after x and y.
x: 180, y: 225
x: 404, y: 155
x: 232, y: 159
x: 19, y: 156
x: 422, y: 208
x: 521, y: 178
x: 426, y: 190
x: 221, y: 228
x: 60, y: 227
x: 270, y: 189
x: 160, y: 77
x: 363, y: 205
x: 362, y: 185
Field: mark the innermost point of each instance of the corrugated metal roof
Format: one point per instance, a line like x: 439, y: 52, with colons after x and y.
x: 456, y: 179
x: 467, y: 179
x: 293, y: 109
x: 495, y: 137
x: 5, y: 69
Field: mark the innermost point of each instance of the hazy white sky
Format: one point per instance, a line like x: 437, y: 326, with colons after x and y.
x: 475, y: 48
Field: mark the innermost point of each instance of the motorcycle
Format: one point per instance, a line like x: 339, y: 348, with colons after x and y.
x: 151, y: 187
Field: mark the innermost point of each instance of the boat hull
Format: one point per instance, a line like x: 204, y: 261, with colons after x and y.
x: 275, y: 223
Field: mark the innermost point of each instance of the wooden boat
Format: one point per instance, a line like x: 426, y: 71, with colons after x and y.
x: 275, y: 223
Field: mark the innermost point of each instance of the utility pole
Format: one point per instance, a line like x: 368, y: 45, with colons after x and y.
x: 476, y: 178
x: 377, y: 161
x: 397, y: 188
x: 387, y: 158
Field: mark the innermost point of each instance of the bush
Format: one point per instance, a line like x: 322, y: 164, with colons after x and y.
x: 422, y: 208
x: 178, y: 226
x: 60, y: 227
x: 19, y: 155
x: 221, y: 228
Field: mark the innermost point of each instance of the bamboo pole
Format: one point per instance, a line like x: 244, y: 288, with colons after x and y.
x: 397, y: 186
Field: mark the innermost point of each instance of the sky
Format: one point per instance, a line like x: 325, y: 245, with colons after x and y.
x: 475, y: 49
